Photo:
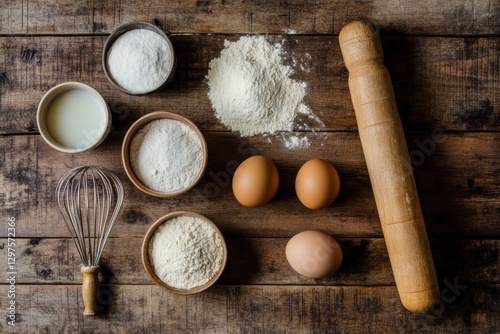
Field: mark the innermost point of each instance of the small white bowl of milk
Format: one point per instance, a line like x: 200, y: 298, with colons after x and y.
x: 73, y: 117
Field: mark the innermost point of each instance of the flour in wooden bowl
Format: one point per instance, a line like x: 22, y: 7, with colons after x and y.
x: 166, y: 155
x: 186, y: 252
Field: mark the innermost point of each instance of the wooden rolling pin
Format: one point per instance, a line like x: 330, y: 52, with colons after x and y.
x: 389, y: 166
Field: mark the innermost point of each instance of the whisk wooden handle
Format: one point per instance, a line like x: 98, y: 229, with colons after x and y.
x: 90, y: 289
x: 388, y: 163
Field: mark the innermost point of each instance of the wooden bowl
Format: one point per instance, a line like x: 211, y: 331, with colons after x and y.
x: 128, y: 140
x: 117, y: 32
x: 149, y: 269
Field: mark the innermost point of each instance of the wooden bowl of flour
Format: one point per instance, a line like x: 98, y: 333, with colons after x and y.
x: 164, y: 154
x: 208, y: 232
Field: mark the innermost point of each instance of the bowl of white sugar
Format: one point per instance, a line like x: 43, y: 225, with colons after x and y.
x: 138, y: 58
x: 184, y: 252
x: 164, y: 154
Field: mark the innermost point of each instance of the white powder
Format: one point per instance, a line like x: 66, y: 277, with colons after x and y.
x: 139, y: 60
x: 251, y: 90
x: 186, y: 252
x: 294, y: 141
x: 166, y: 155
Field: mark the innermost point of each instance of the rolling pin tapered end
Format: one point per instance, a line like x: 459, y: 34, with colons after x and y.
x: 420, y: 302
x: 360, y: 42
x: 358, y: 28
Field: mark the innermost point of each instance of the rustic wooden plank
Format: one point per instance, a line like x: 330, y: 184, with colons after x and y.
x: 304, y: 17
x: 250, y: 309
x: 457, y: 181
x: 252, y: 261
x: 449, y: 82
x: 446, y: 83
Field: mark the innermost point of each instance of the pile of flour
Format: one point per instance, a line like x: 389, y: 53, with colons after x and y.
x: 166, y: 155
x: 186, y: 252
x: 251, y: 90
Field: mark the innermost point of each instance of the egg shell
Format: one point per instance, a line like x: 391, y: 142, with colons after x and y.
x: 314, y: 254
x: 317, y: 184
x: 255, y: 181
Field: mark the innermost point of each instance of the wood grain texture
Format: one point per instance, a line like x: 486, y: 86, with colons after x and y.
x: 250, y: 309
x: 443, y: 59
x: 254, y: 261
x: 446, y: 83
x: 305, y: 17
x: 458, y: 186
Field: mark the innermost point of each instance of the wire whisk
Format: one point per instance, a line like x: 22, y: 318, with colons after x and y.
x: 89, y: 199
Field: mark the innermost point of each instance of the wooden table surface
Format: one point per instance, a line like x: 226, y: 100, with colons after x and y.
x: 444, y: 61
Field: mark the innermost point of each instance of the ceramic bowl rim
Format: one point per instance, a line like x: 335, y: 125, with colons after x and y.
x: 120, y: 30
x: 49, y: 96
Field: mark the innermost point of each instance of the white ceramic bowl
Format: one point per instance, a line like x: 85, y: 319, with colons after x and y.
x: 88, y: 131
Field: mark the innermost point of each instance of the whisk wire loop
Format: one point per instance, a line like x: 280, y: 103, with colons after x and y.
x: 89, y: 199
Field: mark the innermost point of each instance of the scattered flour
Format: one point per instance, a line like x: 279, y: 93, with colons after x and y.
x: 295, y: 141
x: 251, y: 90
x: 139, y: 60
x: 186, y: 252
x: 166, y: 155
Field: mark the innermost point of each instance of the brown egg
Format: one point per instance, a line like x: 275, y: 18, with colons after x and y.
x: 255, y: 181
x: 317, y: 184
x: 314, y: 254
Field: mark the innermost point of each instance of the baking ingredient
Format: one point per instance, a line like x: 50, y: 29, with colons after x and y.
x: 251, y: 90
x: 313, y: 254
x: 255, y: 181
x: 317, y: 184
x: 76, y: 119
x: 166, y: 155
x: 186, y: 252
x: 293, y: 141
x: 139, y: 60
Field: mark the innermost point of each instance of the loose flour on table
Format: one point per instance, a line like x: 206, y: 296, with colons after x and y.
x: 251, y: 90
